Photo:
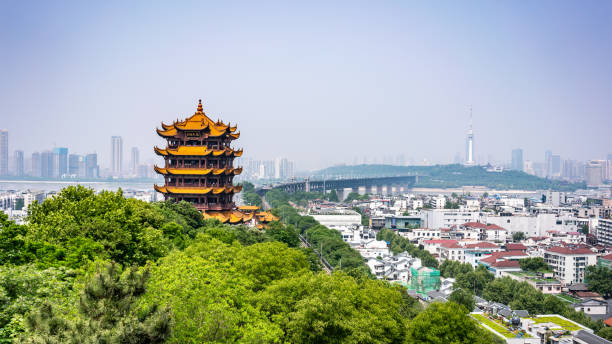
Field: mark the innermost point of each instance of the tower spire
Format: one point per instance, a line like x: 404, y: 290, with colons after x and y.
x: 200, y: 105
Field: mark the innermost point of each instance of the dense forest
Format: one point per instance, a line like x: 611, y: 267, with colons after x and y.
x: 100, y: 268
x: 452, y: 176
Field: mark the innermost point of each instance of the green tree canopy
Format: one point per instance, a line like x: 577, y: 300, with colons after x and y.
x: 444, y: 323
x: 536, y: 264
x: 518, y: 236
x: 464, y: 298
x: 127, y: 230
x: 599, y: 279
x: 105, y: 314
x: 318, y: 308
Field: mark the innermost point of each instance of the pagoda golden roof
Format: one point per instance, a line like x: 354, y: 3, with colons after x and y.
x: 197, y: 171
x: 197, y: 151
x: 197, y: 190
x: 265, y: 217
x: 229, y: 216
x: 248, y: 207
x: 198, y: 122
x: 237, y: 216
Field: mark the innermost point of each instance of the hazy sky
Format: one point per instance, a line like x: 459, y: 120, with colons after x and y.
x: 316, y: 82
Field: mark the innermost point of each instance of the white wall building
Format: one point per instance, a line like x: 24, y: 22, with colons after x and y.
x: 569, y: 264
x: 446, y: 218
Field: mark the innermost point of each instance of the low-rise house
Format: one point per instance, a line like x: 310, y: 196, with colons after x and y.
x: 516, y: 247
x: 371, y: 248
x: 592, y: 307
x: 451, y: 251
x: 544, y: 282
x: 505, y: 261
x: 420, y: 234
x: 433, y: 246
x: 394, y: 268
x: 488, y: 232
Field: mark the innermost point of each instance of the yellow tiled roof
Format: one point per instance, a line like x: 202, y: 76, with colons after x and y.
x: 198, y: 171
x: 196, y: 190
x: 197, y: 122
x: 197, y: 151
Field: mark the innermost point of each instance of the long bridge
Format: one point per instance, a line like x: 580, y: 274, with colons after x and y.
x: 377, y: 185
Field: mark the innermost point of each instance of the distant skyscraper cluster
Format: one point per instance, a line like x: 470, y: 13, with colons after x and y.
x: 593, y: 172
x: 279, y: 168
x: 58, y: 163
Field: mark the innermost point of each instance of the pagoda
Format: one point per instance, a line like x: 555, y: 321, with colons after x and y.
x: 199, y: 167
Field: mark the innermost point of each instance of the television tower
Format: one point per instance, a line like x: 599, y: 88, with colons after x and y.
x: 469, y: 149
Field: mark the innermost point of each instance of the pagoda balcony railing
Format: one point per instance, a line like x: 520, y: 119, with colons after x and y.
x: 178, y: 184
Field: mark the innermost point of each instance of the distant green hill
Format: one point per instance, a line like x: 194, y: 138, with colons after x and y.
x: 450, y: 176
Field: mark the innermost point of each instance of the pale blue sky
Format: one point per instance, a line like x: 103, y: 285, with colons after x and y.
x: 317, y: 82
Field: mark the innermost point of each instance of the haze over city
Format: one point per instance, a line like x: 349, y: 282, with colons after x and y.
x: 320, y: 83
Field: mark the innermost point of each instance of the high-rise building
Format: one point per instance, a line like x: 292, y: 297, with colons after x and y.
x: 92, y: 170
x: 469, y: 145
x: 117, y: 154
x: 144, y: 171
x: 4, y: 156
x: 36, y: 165
x: 47, y: 164
x: 18, y: 165
x: 555, y: 165
x: 593, y: 173
x: 73, y: 164
x: 134, y: 161
x: 547, y: 163
x: 283, y: 168
x: 61, y: 160
x: 517, y: 159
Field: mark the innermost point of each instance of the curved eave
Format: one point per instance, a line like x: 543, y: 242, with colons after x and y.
x: 160, y: 151
x: 196, y: 191
x: 235, y: 135
x: 166, y: 133
x: 233, y: 216
x: 198, y: 151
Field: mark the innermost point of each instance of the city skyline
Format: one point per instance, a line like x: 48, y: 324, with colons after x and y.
x: 319, y: 85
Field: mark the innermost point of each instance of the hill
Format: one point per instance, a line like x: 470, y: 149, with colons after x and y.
x: 452, y: 176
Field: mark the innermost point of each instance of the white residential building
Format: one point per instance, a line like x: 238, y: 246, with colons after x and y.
x: 604, y: 232
x: 338, y: 218
x: 420, y: 234
x: 569, y: 263
x: 533, y: 225
x: 446, y: 218
x: 438, y: 202
x: 372, y: 248
x: 395, y: 268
